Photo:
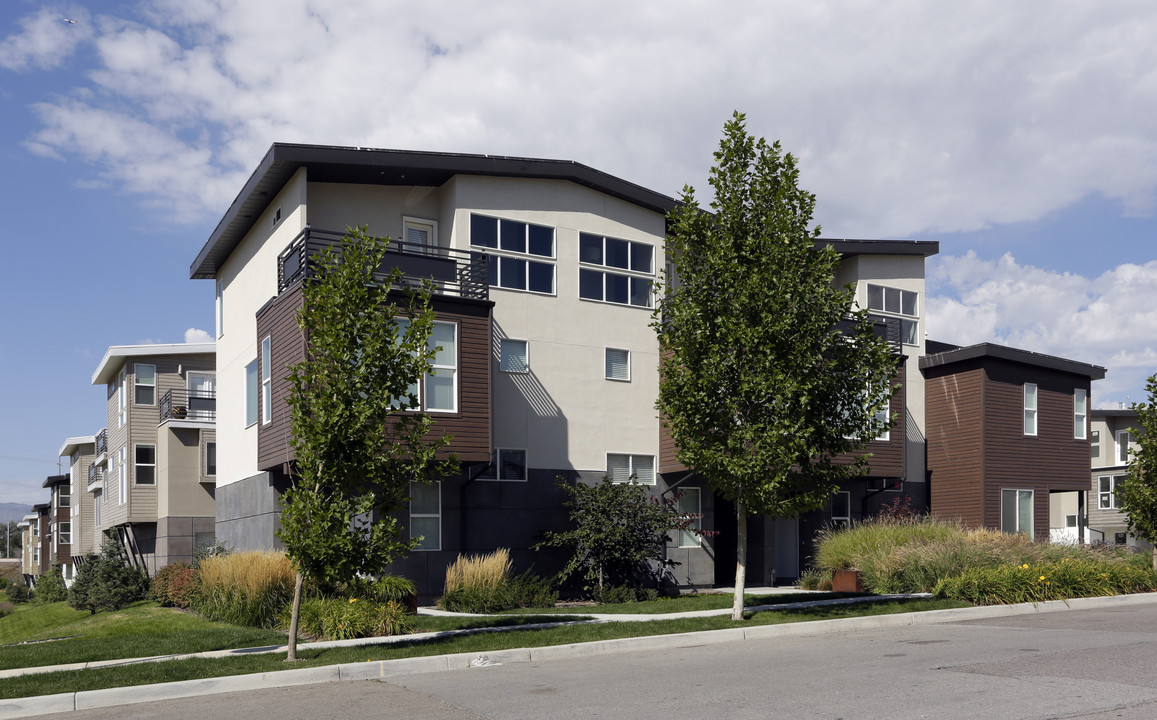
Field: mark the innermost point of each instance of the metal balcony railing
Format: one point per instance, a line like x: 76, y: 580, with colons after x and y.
x: 194, y: 405
x: 95, y: 474
x: 102, y: 442
x: 454, y: 272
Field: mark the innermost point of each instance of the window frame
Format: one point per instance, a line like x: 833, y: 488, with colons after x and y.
x: 1030, y: 413
x: 1095, y: 444
x: 605, y: 270
x: 631, y: 468
x: 210, y: 466
x: 437, y: 515
x: 64, y: 495
x: 64, y: 532
x: 498, y: 257
x: 266, y: 380
x: 138, y: 385
x: 1123, y: 448
x: 122, y: 475
x: 496, y: 471
x: 138, y: 465
x: 845, y: 498
x: 430, y: 247
x: 252, y: 392
x: 220, y: 309
x: 1080, y: 414
x: 1031, y: 507
x: 424, y: 392
x: 502, y: 354
x: 1107, y: 499
x: 913, y: 317
x: 122, y: 397
x: 607, y: 364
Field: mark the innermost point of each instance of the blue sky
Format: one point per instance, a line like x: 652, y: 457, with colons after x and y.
x: 1020, y: 136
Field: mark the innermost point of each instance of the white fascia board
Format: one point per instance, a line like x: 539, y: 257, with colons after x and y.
x: 115, y: 356
x: 73, y: 443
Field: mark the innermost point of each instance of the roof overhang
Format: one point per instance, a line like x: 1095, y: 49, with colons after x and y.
x: 1001, y: 352
x: 371, y: 166
x: 73, y: 444
x: 849, y: 248
x: 115, y: 356
x: 1113, y: 412
x: 53, y: 480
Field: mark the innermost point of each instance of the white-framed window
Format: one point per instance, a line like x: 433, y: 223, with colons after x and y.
x: 266, y: 382
x: 123, y: 475
x: 630, y: 274
x: 689, y: 506
x: 520, y: 255
x: 145, y: 463
x: 441, y: 393
x: 145, y: 384
x: 64, y: 533
x: 1095, y: 444
x: 1016, y: 511
x: 509, y: 464
x: 883, y: 415
x: 64, y: 496
x: 621, y: 467
x: 1030, y: 401
x: 904, y: 304
x: 1070, y: 521
x: 36, y: 528
x: 426, y: 515
x: 1123, y: 441
x: 122, y: 398
x: 1107, y: 491
x: 36, y: 554
x: 1080, y: 413
x: 210, y: 459
x: 842, y: 508
x: 252, y: 392
x: 513, y: 356
x: 617, y: 364
x: 96, y: 502
x: 420, y: 235
x: 220, y: 308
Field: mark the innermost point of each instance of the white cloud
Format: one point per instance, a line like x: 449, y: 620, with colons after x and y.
x: 1109, y: 320
x: 193, y: 335
x: 45, y: 39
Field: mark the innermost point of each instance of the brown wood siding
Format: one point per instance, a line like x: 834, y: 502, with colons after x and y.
x: 668, y: 451
x: 953, y: 417
x: 887, y: 456
x: 470, y: 426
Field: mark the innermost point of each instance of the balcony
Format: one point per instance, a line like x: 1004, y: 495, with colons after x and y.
x: 102, y: 442
x: 95, y: 475
x: 188, y: 406
x: 454, y: 272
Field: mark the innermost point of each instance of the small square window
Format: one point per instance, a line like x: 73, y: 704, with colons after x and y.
x: 513, y: 356
x: 618, y: 364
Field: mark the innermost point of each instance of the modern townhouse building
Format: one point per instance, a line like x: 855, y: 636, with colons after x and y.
x: 152, y: 479
x: 30, y: 545
x: 57, y: 540
x: 548, y: 368
x: 1112, y: 435
x: 1008, y: 433
x: 81, y: 454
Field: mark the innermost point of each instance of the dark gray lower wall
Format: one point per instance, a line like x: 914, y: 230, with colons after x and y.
x: 177, y: 538
x: 248, y: 513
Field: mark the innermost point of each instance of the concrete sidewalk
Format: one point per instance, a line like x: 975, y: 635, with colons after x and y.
x: 63, y: 702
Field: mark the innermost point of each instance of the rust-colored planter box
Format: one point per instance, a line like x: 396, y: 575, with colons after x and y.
x: 846, y: 581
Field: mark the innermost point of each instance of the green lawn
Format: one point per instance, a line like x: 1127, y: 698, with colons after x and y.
x: 685, y: 603
x: 141, y: 674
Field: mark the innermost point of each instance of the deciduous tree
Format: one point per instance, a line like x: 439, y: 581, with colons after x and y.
x: 767, y: 372
x: 1137, y: 494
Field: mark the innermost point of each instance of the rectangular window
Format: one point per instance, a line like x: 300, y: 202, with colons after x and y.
x: 420, y: 235
x: 123, y: 476
x: 1016, y: 511
x: 426, y: 515
x: 36, y: 554
x: 1095, y: 443
x: 122, y: 398
x: 513, y: 356
x: 617, y: 364
x: 1070, y: 521
x: 883, y: 415
x: 509, y: 464
x: 1029, y: 409
x: 210, y: 459
x: 1107, y: 491
x: 842, y: 508
x: 64, y: 496
x: 252, y: 390
x: 64, y: 533
x: 691, y: 511
x: 146, y: 464
x: 145, y: 385
x: 96, y: 498
x: 1123, y: 447
x: 628, y: 468
x: 442, y: 380
x: 1080, y: 412
x: 902, y: 303
x: 266, y: 383
x: 520, y: 255
x: 635, y: 260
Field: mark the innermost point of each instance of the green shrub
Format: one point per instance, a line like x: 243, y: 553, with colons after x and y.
x: 4, y: 583
x: 107, y: 581
x: 815, y: 579
x: 387, y: 588
x: 1068, y: 578
x: 50, y: 587
x: 482, y: 584
x: 18, y: 594
x: 176, y: 585
x: 530, y: 591
x: 617, y: 594
x: 246, y: 588
x: 348, y: 618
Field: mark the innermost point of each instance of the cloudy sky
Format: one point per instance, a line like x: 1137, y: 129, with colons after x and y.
x: 1019, y: 135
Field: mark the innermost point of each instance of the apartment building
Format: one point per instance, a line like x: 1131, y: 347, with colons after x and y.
x: 56, y: 538
x: 152, y: 480
x: 81, y: 454
x: 1113, y: 436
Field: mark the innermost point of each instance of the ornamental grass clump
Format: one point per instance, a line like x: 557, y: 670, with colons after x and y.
x: 1026, y: 582
x: 349, y: 618
x: 483, y: 584
x: 246, y: 588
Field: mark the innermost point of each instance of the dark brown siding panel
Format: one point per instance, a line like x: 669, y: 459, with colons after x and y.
x: 278, y: 321
x: 954, y: 407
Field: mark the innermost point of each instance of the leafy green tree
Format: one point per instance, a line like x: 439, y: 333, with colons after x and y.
x: 50, y: 586
x: 618, y: 535
x: 107, y: 581
x: 357, y: 432
x: 767, y: 374
x: 1137, y: 494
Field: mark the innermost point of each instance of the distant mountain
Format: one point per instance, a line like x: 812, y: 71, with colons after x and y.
x: 13, y: 511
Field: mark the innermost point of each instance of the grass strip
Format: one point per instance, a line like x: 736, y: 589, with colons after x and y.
x: 683, y: 603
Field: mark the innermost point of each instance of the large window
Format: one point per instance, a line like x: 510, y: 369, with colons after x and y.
x: 1107, y: 491
x: 252, y: 392
x: 902, y: 303
x: 691, y: 513
x: 630, y: 273
x: 617, y: 364
x: 1029, y: 409
x: 266, y: 382
x: 520, y: 255
x: 426, y: 515
x: 442, y: 380
x: 1123, y: 447
x: 509, y: 464
x: 842, y: 508
x: 64, y: 533
x: 145, y: 385
x: 1080, y: 413
x: 145, y: 457
x: 624, y: 468
x: 513, y: 356
x: 1016, y: 511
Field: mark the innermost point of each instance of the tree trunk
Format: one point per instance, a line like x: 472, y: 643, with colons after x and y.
x: 740, y: 559
x: 1155, y: 556
x: 293, y: 617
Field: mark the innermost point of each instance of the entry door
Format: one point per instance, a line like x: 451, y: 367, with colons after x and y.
x: 786, y: 548
x: 202, y: 399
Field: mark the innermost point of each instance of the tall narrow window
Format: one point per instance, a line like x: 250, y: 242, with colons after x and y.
x: 145, y: 457
x: 1095, y: 444
x: 842, y: 508
x: 266, y: 383
x: 1016, y: 511
x: 1029, y: 409
x: 1123, y: 447
x: 442, y: 380
x: 514, y: 356
x: 122, y: 397
x: 145, y: 385
x: 621, y: 468
x: 1080, y: 413
x: 123, y: 475
x: 426, y: 515
x: 252, y: 390
x: 1107, y: 491
x: 96, y: 502
x: 64, y: 533
x: 692, y: 514
x: 617, y: 364
x: 64, y: 496
x: 210, y: 459
x: 220, y: 308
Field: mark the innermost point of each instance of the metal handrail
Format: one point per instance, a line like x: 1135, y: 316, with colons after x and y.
x: 184, y: 404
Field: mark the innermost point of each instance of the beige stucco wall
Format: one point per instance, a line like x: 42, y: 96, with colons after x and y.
x: 180, y: 491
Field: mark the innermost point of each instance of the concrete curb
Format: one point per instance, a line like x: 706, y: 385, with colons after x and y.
x: 385, y: 669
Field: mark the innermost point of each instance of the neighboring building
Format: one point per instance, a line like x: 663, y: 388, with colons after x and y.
x: 58, y: 538
x: 152, y: 479
x: 1112, y: 434
x: 1007, y: 429
x: 81, y: 454
x: 30, y: 546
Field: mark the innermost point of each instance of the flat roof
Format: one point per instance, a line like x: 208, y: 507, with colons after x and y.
x: 375, y: 166
x: 73, y: 443
x: 849, y: 248
x: 1112, y: 412
x: 55, y: 480
x: 115, y: 356
x: 1002, y: 352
